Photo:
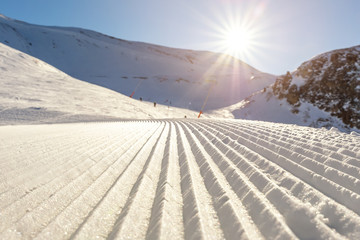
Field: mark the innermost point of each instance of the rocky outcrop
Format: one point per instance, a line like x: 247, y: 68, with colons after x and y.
x: 330, y: 81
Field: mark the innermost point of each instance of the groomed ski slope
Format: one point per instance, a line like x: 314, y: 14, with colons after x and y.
x: 176, y: 179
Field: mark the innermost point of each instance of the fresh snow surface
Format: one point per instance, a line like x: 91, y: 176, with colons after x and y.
x: 178, y: 179
x: 264, y: 106
x: 32, y: 91
x: 155, y: 73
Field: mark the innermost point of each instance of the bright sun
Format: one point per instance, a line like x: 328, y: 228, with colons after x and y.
x: 237, y: 41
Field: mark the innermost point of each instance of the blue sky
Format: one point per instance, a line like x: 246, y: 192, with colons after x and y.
x: 286, y: 32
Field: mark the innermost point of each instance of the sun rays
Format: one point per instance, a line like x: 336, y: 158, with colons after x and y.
x: 237, y: 40
x: 237, y: 30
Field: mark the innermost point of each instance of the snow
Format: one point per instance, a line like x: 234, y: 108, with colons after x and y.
x: 262, y: 106
x: 297, y: 80
x: 176, y: 179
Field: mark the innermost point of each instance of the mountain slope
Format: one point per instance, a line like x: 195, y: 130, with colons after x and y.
x: 161, y: 74
x: 322, y: 92
x: 32, y: 91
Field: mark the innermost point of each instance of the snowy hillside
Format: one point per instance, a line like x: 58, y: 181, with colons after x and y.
x: 178, y: 180
x: 161, y: 74
x: 31, y: 91
x: 322, y: 92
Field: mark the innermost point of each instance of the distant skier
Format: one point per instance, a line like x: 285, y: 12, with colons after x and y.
x: 154, y: 104
x: 141, y: 99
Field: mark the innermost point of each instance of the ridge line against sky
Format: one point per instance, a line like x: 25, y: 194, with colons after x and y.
x: 284, y: 33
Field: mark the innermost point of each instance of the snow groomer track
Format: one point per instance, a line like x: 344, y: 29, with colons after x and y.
x: 178, y: 179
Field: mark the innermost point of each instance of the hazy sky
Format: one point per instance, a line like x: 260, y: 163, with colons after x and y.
x: 285, y: 33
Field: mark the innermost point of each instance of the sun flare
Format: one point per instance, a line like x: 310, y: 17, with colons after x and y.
x: 237, y: 41
x: 237, y: 32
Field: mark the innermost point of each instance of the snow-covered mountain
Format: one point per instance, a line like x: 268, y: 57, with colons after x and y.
x: 32, y: 91
x: 166, y: 75
x: 322, y: 92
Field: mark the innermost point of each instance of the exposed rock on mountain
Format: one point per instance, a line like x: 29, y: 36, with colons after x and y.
x: 330, y: 81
